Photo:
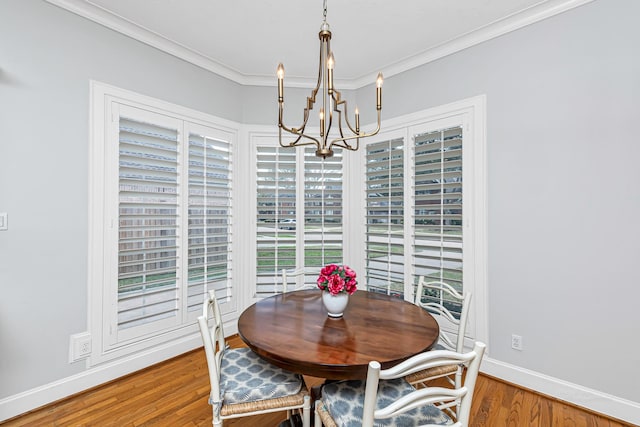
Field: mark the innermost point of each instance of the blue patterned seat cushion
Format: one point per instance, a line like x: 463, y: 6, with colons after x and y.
x: 345, y: 402
x: 245, y: 377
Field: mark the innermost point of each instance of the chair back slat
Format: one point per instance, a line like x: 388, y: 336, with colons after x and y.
x: 434, y: 297
x: 211, y: 330
x: 295, y: 280
x: 460, y: 396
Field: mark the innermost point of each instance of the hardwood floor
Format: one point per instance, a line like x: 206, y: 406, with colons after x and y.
x: 175, y: 393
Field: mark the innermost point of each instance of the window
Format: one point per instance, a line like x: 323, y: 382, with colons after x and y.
x: 162, y: 209
x: 425, y: 205
x: 322, y: 209
x: 299, y: 212
x: 276, y: 216
x: 384, y: 244
x: 437, y: 232
x: 148, y: 214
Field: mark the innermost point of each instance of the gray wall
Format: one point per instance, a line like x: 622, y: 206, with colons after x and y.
x: 563, y: 103
x: 47, y: 57
x: 563, y: 96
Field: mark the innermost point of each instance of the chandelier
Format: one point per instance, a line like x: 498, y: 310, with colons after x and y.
x: 333, y: 107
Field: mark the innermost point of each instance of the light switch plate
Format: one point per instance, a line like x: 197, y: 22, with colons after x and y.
x: 4, y: 221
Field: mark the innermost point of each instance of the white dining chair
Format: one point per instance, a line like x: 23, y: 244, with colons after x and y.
x: 295, y: 280
x: 439, y: 299
x: 243, y: 384
x: 386, y: 398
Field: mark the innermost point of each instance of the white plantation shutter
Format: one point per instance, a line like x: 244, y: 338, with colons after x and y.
x: 299, y: 210
x: 384, y: 243
x: 167, y: 223
x: 149, y: 206
x: 323, y: 179
x: 276, y: 219
x: 438, y: 206
x: 209, y: 215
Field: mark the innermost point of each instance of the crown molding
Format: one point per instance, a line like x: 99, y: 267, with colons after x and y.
x: 498, y: 28
x: 119, y: 24
x: 503, y: 26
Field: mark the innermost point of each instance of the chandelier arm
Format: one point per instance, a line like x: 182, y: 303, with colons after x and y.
x: 299, y: 134
x: 335, y: 96
x: 347, y: 146
x: 345, y: 110
x: 293, y: 131
x: 340, y: 131
x: 326, y: 136
x: 342, y: 142
x: 310, y: 101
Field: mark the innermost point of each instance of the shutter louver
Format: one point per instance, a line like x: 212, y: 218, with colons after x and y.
x: 385, y: 217
x: 438, y: 206
x: 209, y: 241
x: 148, y: 217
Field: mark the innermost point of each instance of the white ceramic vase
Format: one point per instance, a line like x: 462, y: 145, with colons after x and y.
x: 335, y: 304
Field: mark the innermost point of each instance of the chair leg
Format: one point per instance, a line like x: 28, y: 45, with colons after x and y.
x: 317, y: 422
x: 306, y: 412
x: 217, y: 422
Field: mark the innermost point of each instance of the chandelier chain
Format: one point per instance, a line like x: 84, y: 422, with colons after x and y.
x: 325, y: 10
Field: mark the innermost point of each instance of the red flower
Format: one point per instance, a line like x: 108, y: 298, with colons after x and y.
x: 350, y: 286
x: 328, y: 269
x: 322, y: 281
x: 337, y: 279
x: 336, y: 284
x: 349, y: 272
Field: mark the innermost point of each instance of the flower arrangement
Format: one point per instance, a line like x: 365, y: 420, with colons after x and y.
x: 336, y: 279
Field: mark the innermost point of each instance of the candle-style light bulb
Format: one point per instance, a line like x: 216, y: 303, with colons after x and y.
x: 321, y: 114
x: 357, y: 120
x: 379, y: 81
x: 330, y: 64
x: 280, y: 74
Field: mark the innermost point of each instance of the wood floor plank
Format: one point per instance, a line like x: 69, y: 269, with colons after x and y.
x: 537, y: 410
x: 175, y: 393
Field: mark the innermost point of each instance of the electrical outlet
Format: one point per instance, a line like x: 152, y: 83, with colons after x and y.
x: 79, y: 347
x: 516, y: 342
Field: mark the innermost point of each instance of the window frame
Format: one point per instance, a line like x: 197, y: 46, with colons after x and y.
x: 470, y: 114
x: 258, y: 136
x: 103, y: 250
x: 384, y: 137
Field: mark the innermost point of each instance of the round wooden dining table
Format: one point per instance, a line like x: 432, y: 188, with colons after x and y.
x: 292, y: 330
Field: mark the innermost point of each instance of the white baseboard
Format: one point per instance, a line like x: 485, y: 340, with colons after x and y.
x: 594, y: 400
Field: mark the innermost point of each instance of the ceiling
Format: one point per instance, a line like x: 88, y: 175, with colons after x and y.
x: 244, y: 40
